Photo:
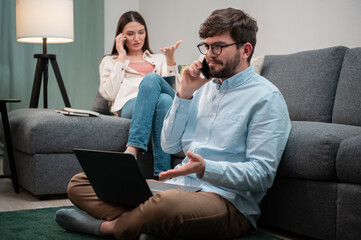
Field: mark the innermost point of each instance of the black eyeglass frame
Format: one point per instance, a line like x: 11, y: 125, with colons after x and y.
x: 217, y: 45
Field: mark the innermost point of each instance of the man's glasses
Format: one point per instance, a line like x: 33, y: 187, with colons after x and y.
x: 216, y: 48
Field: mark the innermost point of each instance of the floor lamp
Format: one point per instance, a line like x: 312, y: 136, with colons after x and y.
x: 45, y: 21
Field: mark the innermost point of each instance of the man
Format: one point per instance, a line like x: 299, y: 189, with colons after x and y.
x: 233, y: 128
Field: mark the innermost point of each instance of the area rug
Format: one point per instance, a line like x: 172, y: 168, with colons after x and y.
x: 40, y: 224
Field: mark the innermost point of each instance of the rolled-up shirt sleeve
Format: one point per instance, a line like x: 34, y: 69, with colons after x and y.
x: 174, y: 124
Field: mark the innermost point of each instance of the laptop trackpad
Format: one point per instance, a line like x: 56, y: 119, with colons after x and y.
x: 156, y: 186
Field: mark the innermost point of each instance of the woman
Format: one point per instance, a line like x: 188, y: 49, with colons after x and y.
x: 131, y: 78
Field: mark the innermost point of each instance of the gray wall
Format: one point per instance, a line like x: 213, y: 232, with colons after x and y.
x: 113, y: 9
x: 285, y: 26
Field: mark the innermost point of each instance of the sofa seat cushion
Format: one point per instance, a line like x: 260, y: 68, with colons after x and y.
x: 312, y: 148
x: 307, y: 80
x: 45, y: 131
x: 348, y: 160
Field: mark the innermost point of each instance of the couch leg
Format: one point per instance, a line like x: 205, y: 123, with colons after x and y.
x: 44, y: 197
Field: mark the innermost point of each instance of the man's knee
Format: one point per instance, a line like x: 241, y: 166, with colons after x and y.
x: 76, y: 181
x: 166, y: 198
x: 162, y: 205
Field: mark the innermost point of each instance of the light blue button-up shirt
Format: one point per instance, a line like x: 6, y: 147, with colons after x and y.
x: 240, y: 128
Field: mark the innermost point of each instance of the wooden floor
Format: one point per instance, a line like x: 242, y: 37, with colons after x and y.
x: 11, y: 201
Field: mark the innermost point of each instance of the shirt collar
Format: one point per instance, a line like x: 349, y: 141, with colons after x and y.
x: 147, y: 56
x: 235, y: 80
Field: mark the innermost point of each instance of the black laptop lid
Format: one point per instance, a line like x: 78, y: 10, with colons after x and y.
x: 115, y: 176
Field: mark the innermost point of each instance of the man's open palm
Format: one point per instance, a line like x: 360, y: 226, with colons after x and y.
x: 196, y: 164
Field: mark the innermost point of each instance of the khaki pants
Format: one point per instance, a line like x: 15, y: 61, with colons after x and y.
x: 190, y: 215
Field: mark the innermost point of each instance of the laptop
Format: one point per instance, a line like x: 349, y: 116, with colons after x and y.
x: 170, y: 80
x: 116, y: 177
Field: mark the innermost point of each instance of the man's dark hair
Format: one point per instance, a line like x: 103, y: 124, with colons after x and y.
x: 238, y: 24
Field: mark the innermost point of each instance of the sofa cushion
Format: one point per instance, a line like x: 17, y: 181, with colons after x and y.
x: 257, y: 63
x: 48, y: 173
x: 347, y: 108
x: 101, y: 105
x: 348, y: 160
x: 312, y: 148
x: 307, y: 80
x: 45, y: 131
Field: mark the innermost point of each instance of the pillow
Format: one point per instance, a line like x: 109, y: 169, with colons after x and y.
x: 257, y: 63
x: 101, y: 105
x: 181, y: 68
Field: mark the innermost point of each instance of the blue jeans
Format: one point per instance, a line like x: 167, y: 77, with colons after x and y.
x: 147, y: 112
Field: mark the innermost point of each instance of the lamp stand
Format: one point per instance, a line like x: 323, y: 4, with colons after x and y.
x: 42, y: 71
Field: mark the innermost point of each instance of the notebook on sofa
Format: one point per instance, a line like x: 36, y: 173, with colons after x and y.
x: 116, y: 177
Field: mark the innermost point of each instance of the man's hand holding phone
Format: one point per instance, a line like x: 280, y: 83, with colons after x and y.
x: 191, y: 80
x: 205, y: 69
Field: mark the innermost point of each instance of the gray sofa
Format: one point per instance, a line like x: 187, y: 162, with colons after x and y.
x: 317, y: 191
x: 43, y: 141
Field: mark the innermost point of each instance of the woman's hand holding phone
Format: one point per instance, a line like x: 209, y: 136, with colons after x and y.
x: 119, y: 43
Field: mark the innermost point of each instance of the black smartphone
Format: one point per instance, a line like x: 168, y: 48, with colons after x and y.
x: 205, y: 69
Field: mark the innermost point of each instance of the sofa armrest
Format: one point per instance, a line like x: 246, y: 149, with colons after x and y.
x: 312, y: 148
x: 348, y: 160
x: 45, y: 131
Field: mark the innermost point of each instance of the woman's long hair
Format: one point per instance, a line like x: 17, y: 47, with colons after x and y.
x: 126, y: 18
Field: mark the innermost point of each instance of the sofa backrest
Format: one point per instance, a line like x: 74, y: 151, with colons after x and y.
x: 101, y: 105
x: 347, y: 107
x: 308, y: 81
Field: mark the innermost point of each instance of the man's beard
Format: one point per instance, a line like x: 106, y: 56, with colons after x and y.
x: 229, y: 68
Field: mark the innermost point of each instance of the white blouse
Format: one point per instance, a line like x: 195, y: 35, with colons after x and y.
x: 119, y: 83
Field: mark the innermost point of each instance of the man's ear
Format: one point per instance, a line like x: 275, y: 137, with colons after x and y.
x: 247, y: 50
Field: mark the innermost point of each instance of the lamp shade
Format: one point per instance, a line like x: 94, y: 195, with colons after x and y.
x: 38, y: 19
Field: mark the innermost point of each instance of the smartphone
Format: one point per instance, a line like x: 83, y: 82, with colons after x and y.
x: 205, y: 69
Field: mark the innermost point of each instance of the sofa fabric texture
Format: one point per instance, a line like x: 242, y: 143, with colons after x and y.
x: 348, y: 167
x: 348, y: 211
x: 302, y: 206
x: 347, y: 104
x: 317, y: 190
x: 312, y: 149
x: 45, y: 131
x: 308, y: 81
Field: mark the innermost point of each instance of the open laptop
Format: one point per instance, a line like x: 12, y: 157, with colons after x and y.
x: 116, y: 177
x: 170, y: 80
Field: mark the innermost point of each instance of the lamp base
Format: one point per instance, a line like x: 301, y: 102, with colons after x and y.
x: 42, y: 71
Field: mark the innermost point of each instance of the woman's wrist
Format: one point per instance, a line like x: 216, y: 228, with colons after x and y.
x: 171, y: 61
x: 120, y: 58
